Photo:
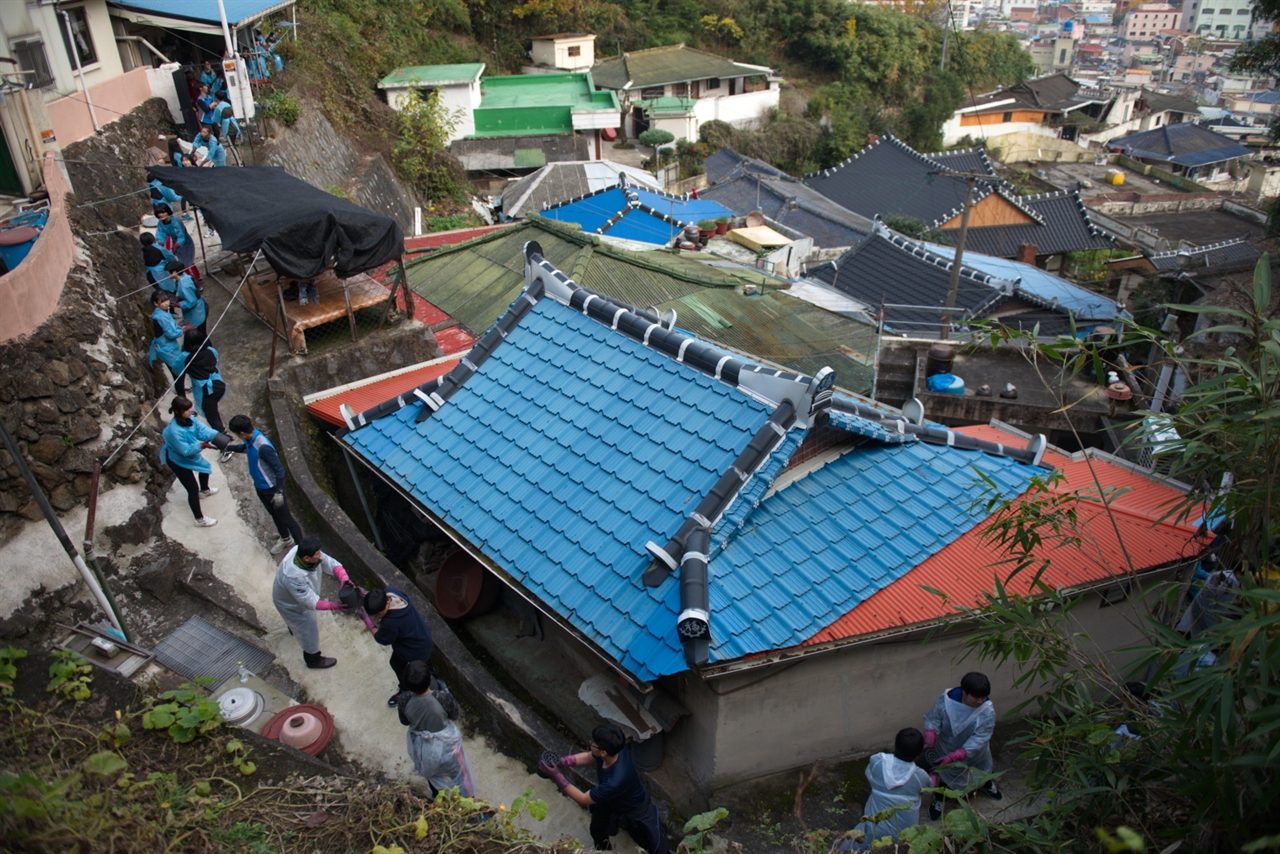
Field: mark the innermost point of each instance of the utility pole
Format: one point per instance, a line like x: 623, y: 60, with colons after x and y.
x: 971, y: 178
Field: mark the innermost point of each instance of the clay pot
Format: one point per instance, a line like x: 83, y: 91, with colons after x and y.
x: 722, y: 227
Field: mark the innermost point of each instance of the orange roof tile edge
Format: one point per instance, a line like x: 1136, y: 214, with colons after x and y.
x: 967, y: 568
x: 367, y: 396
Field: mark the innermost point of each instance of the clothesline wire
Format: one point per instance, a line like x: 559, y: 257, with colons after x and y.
x: 123, y: 444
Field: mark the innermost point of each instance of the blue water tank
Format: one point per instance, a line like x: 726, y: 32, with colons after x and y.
x: 1067, y: 26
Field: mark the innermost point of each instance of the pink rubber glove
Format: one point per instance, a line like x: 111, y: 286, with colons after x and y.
x: 368, y: 624
x: 954, y: 756
x: 554, y: 774
x: 341, y: 574
x: 933, y: 779
x: 930, y: 736
x: 568, y: 761
x: 326, y: 605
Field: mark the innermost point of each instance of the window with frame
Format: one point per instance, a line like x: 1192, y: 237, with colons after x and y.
x: 30, y: 55
x: 713, y: 82
x: 575, y: 50
x: 648, y: 93
x: 1007, y: 117
x: 80, y: 32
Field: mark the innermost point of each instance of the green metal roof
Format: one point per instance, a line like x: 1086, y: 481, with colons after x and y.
x: 536, y: 104
x: 474, y: 283
x: 432, y: 75
x: 660, y: 65
x: 667, y: 106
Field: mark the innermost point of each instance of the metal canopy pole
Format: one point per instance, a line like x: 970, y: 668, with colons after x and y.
x: 364, y: 502
x: 56, y: 524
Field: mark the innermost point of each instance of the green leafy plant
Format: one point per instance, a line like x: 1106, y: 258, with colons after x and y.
x: 697, y: 830
x: 339, y: 192
x: 187, y: 714
x: 240, y: 757
x: 70, y: 675
x: 9, y: 669
x: 707, y: 224
x: 282, y: 105
x: 419, y: 139
x: 449, y: 222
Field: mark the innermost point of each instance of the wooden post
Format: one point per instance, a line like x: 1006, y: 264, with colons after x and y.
x: 954, y: 290
x: 275, y: 327
x: 351, y: 315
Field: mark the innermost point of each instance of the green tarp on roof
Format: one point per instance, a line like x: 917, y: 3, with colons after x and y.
x: 474, y: 283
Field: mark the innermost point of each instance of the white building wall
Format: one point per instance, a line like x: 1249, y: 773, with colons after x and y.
x: 745, y: 110
x: 21, y: 20
x: 1229, y: 19
x: 555, y: 53
x: 459, y: 100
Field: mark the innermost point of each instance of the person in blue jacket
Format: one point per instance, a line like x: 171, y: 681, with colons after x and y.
x: 195, y: 312
x: 207, y: 385
x: 210, y: 78
x: 161, y: 193
x: 171, y: 228
x: 155, y: 258
x: 214, y: 152
x: 268, y: 479
x: 400, y: 627
x: 185, y: 437
x: 165, y: 344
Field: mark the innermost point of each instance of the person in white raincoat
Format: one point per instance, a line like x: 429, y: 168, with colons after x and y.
x: 433, y: 740
x: 896, y: 780
x: 296, y: 595
x: 957, y: 737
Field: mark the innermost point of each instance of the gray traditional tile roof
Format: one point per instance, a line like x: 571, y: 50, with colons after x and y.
x: 661, y: 65
x: 964, y: 160
x: 1053, y: 93
x: 889, y: 177
x: 1066, y: 227
x: 1216, y: 257
x: 744, y: 184
x: 1186, y: 144
x: 887, y: 268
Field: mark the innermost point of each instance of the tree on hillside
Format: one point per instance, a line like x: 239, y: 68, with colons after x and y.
x: 423, y: 126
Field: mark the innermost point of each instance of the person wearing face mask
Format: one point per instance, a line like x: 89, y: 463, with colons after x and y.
x: 185, y: 436
x: 296, y: 595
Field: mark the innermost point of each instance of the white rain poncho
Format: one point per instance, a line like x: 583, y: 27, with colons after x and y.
x: 893, y: 782
x: 958, y: 725
x: 295, y: 594
x: 438, y: 758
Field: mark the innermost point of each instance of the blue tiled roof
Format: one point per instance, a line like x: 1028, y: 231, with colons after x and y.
x: 815, y: 549
x: 569, y: 449
x: 594, y: 213
x: 572, y: 446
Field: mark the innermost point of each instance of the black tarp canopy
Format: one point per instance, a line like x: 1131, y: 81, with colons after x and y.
x: 301, y: 229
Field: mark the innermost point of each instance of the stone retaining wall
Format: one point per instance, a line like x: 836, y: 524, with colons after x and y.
x: 74, y: 388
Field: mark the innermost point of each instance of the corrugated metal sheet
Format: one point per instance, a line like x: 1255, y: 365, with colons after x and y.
x: 366, y: 396
x: 968, y: 567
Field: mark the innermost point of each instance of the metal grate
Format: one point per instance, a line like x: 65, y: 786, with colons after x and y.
x: 199, y: 650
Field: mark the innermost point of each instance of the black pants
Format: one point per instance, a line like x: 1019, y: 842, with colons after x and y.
x: 179, y: 387
x: 286, y: 527
x: 188, y: 479
x: 648, y: 834
x: 209, y: 405
x: 398, y: 664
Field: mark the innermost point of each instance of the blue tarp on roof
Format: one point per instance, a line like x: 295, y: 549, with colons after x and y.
x: 1041, y: 286
x: 593, y: 213
x: 572, y: 446
x: 204, y: 11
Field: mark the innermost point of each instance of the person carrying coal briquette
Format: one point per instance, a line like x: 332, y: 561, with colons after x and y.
x: 619, y: 799
x: 400, y: 627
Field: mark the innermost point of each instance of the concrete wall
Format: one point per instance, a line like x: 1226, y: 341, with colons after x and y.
x: 991, y: 127
x: 313, y: 151
x: 1038, y: 147
x: 851, y: 702
x: 555, y: 53
x: 30, y: 292
x: 72, y: 118
x: 1139, y: 204
x: 745, y: 110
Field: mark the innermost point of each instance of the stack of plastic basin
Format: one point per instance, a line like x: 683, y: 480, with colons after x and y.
x: 18, y: 234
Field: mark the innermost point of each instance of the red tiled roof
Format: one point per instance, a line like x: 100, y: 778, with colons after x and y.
x: 966, y: 568
x: 448, y: 238
x: 369, y: 395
